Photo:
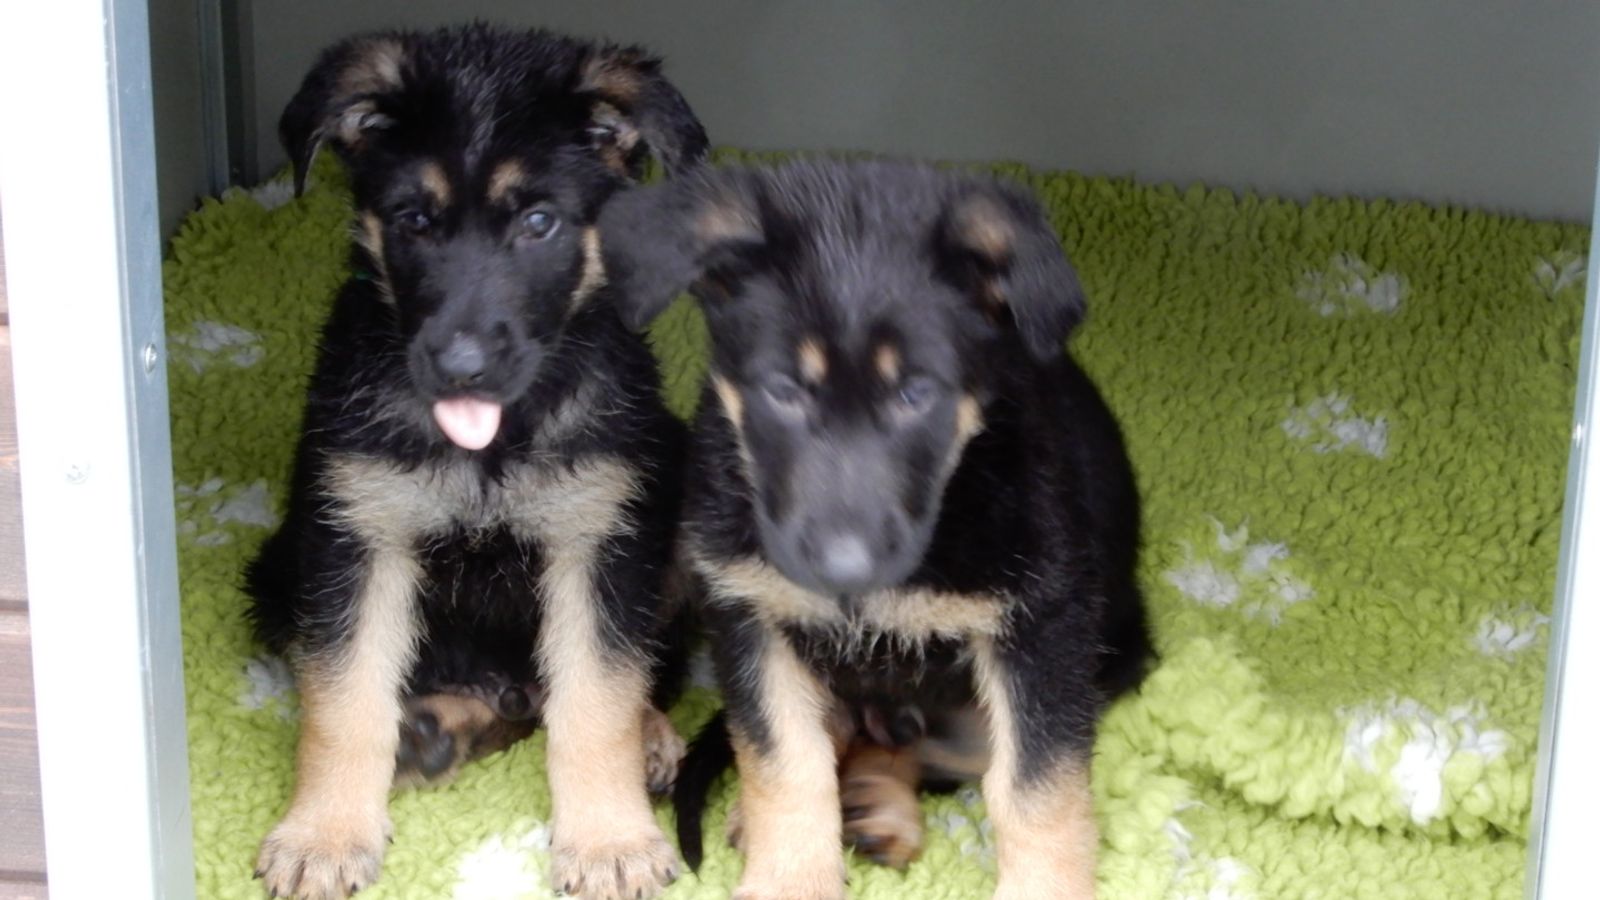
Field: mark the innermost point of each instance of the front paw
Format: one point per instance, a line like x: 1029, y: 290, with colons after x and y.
x: 828, y: 889
x: 322, y: 857
x: 614, y: 870
x: 823, y: 881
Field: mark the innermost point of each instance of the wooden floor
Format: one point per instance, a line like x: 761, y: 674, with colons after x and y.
x: 21, y: 829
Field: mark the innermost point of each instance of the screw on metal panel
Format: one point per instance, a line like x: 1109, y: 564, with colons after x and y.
x: 77, y: 472
x: 151, y: 357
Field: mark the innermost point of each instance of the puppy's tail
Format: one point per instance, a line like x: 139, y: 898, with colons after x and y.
x: 709, y: 755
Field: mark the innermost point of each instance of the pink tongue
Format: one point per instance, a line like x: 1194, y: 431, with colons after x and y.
x: 469, y: 423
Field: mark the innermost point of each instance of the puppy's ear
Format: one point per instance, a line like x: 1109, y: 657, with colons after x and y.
x: 341, y: 99
x: 634, y: 103
x: 661, y: 239
x: 995, y: 242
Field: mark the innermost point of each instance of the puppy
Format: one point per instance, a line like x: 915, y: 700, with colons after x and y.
x: 903, y: 494
x: 485, y: 492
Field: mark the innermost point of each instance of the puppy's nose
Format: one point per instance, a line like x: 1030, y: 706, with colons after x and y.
x: 845, y: 561
x: 462, y: 361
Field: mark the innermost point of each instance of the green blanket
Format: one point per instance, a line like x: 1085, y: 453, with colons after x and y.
x: 1349, y: 421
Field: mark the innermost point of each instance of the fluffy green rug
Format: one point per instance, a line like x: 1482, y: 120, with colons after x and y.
x: 1350, y: 424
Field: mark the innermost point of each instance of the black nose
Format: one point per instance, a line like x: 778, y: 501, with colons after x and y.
x: 462, y: 361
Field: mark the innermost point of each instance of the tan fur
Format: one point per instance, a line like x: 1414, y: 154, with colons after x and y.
x: 969, y: 422
x: 614, y: 75
x: 910, y: 614
x: 593, y: 277
x: 733, y: 408
x: 571, y: 511
x: 333, y: 836
x: 984, y: 228
x: 606, y: 843
x: 506, y: 177
x: 394, y: 506
x: 878, y: 792
x: 813, y: 361
x: 789, y: 796
x: 370, y: 237
x: 726, y: 220
x: 969, y: 419
x: 1046, y: 838
x: 436, y: 183
x: 732, y: 403
x: 887, y: 360
x: 374, y: 68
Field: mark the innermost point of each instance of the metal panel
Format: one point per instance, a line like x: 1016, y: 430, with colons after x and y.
x: 83, y: 263
x: 1567, y: 786
x: 214, y: 115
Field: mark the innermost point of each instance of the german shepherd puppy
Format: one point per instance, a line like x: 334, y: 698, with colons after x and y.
x: 903, y: 495
x: 485, y: 494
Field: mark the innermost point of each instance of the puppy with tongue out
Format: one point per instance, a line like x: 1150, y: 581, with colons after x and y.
x: 470, y: 422
x: 483, y: 505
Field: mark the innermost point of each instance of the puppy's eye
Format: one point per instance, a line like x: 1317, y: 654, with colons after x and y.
x: 538, y: 224
x: 918, y: 394
x: 784, y: 391
x: 413, y: 221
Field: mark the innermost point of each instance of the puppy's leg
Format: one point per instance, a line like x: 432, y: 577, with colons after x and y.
x: 606, y: 842
x: 1037, y: 784
x: 331, y: 841
x: 788, y: 781
x: 841, y: 731
x: 878, y: 789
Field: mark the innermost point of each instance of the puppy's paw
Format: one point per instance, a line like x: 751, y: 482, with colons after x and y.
x: 617, y: 870
x: 735, y: 826
x: 443, y: 732
x: 428, y: 752
x: 882, y: 820
x: 664, y: 750
x: 322, y: 858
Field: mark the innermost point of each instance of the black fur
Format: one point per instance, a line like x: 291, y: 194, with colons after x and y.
x: 574, y: 383
x: 1038, y: 512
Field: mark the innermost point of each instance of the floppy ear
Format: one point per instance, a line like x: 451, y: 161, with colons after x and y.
x: 661, y: 239
x: 339, y: 101
x: 635, y: 103
x: 997, y: 244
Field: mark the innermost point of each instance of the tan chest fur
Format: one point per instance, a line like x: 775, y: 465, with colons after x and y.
x: 394, y: 507
x: 913, y: 615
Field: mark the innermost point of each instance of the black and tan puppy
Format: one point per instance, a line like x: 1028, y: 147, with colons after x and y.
x: 903, y: 495
x: 485, y: 492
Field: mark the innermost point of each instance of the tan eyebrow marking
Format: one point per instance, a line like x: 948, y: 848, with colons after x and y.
x: 506, y: 177
x: 813, y: 362
x: 887, y: 359
x: 435, y: 183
